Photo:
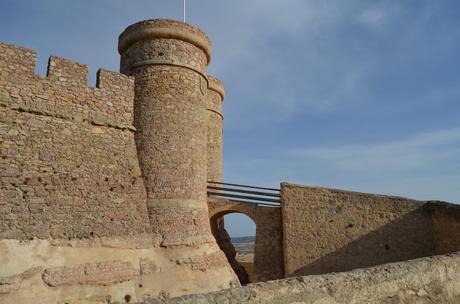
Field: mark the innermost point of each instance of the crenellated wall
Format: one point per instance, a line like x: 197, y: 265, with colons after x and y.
x: 68, y: 163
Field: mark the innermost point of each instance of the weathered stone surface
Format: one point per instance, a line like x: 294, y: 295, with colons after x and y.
x: 446, y: 227
x: 204, y: 262
x: 104, y: 273
x: 84, y: 271
x: 268, y: 251
x: 428, y: 280
x: 329, y: 230
x: 215, y: 123
x: 9, y: 284
x: 13, y: 283
x: 147, y: 266
x: 61, y: 176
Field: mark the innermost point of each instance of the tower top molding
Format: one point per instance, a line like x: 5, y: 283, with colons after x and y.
x: 216, y: 85
x: 165, y: 29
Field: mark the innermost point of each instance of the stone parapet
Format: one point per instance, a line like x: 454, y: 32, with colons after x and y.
x: 428, y: 280
x: 64, y: 92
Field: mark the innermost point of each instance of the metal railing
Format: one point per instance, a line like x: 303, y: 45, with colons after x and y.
x: 245, y: 194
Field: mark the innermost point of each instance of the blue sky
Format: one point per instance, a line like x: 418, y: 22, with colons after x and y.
x: 360, y: 95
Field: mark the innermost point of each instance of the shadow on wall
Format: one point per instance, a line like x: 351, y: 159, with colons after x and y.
x: 223, y: 239
x: 330, y: 230
x: 406, y: 238
x: 268, y: 251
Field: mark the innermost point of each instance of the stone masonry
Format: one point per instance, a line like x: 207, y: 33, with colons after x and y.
x: 330, y: 230
x: 216, y: 94
x: 103, y: 189
x: 169, y: 62
x: 68, y: 163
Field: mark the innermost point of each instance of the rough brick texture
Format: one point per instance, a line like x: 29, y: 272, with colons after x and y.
x: 169, y: 61
x: 328, y: 230
x: 214, y: 100
x: 68, y: 164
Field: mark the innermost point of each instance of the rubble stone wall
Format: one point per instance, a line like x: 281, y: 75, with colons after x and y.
x: 215, y: 98
x: 446, y: 227
x: 68, y: 163
x: 169, y: 62
x: 327, y: 230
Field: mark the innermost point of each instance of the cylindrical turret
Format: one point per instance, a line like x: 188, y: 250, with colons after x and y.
x: 215, y: 97
x: 169, y: 61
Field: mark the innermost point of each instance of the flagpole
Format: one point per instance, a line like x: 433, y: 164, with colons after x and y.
x: 184, y: 10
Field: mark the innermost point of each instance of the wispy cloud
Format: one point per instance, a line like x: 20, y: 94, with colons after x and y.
x: 408, y: 153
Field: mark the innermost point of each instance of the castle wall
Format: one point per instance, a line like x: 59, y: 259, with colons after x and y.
x: 74, y: 224
x: 68, y: 163
x: 268, y: 251
x: 427, y: 280
x: 446, y: 227
x: 327, y: 230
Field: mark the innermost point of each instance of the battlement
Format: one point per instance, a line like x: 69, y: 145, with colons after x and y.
x: 64, y: 92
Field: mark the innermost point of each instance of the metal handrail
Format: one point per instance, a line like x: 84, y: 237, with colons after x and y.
x: 244, y: 191
x: 241, y: 194
x: 244, y: 186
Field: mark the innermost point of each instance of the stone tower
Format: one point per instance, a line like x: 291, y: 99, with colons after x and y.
x: 169, y: 60
x: 216, y: 94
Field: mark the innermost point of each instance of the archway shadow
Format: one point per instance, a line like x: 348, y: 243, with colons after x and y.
x: 224, y: 242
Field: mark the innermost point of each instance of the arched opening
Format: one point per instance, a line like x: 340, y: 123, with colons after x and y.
x: 235, y: 234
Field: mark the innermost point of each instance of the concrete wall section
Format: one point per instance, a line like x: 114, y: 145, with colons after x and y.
x: 327, y: 230
x: 428, y: 280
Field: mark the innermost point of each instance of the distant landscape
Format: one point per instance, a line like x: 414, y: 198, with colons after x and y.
x: 244, y: 247
x: 244, y: 239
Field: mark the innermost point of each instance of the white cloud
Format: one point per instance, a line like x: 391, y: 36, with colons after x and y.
x: 409, y: 153
x: 373, y: 17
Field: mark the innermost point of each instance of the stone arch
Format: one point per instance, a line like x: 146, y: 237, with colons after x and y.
x: 268, y: 251
x: 224, y: 209
x: 244, y: 272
